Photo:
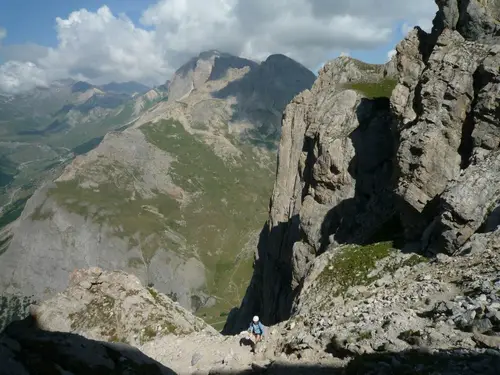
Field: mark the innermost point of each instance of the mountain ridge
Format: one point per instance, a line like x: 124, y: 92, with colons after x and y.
x: 182, y: 164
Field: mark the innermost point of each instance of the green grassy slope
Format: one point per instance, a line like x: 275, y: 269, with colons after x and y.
x: 229, y: 204
x: 381, y: 89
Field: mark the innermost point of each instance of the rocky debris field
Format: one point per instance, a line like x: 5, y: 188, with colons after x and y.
x: 435, y: 306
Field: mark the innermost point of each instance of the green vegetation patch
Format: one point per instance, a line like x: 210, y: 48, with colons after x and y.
x: 352, y: 266
x: 414, y: 260
x: 153, y: 293
x: 231, y: 201
x: 381, y: 89
x: 113, y: 205
x: 98, y: 313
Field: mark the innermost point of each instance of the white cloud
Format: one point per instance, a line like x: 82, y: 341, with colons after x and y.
x: 101, y: 46
x: 344, y: 54
x: 391, y: 54
x: 3, y: 33
x: 20, y: 76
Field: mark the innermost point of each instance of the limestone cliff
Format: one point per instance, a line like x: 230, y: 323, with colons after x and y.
x: 355, y: 167
x: 334, y: 163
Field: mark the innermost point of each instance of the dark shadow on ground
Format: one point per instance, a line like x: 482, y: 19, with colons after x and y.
x: 27, y: 349
x: 456, y: 362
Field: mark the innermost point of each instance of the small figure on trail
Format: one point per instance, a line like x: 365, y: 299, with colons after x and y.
x: 256, y: 330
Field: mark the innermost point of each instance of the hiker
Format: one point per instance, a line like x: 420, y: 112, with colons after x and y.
x: 256, y: 329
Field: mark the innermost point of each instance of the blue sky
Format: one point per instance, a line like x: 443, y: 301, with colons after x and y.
x: 38, y: 25
x: 93, y: 42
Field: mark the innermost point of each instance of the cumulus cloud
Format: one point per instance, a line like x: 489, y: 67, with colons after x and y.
x: 101, y: 46
x: 20, y: 76
x: 391, y: 54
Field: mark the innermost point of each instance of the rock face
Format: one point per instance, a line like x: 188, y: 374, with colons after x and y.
x: 355, y: 168
x: 177, y: 198
x: 445, y: 135
x: 475, y: 20
x: 446, y: 107
x: 334, y: 162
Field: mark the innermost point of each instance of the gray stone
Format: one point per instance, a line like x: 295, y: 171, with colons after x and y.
x: 481, y: 325
x: 121, y: 309
x: 475, y: 19
x: 196, y: 358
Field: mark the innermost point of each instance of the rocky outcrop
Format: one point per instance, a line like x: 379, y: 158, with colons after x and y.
x: 467, y: 204
x: 354, y: 168
x: 332, y: 182
x: 447, y: 113
x: 362, y: 301
x: 114, y: 306
x: 107, y: 322
x: 433, y: 141
x: 473, y: 19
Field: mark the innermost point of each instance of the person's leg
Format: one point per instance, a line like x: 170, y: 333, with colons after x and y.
x: 253, y: 341
x: 257, y: 338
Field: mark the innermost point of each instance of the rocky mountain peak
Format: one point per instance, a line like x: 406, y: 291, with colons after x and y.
x: 208, y: 65
x: 81, y: 87
x: 189, y: 168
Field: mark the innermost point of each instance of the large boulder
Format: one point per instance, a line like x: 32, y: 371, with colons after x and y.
x: 466, y: 204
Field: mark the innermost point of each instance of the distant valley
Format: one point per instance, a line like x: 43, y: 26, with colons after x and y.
x: 43, y: 129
